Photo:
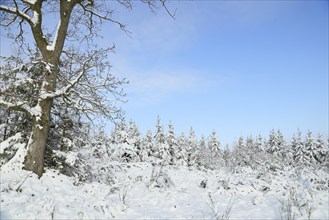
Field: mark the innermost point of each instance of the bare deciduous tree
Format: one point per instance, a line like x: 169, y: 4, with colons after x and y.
x: 78, y: 78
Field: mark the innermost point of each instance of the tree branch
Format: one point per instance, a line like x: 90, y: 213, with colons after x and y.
x: 163, y: 2
x: 17, y: 12
x: 17, y: 83
x: 72, y: 83
x: 105, y: 17
x: 18, y: 106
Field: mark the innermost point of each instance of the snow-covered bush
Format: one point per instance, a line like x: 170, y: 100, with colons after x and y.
x: 124, y: 153
x: 159, y: 178
x: 9, y: 147
x: 298, y: 203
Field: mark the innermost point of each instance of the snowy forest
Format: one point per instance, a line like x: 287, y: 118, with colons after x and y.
x: 161, y: 163
x: 58, y: 162
x: 126, y: 144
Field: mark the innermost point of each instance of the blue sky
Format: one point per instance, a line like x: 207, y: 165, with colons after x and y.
x: 236, y: 67
x: 239, y: 68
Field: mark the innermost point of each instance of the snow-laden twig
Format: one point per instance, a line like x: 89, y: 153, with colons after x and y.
x: 17, y: 83
x: 18, y: 189
x: 19, y: 106
x: 225, y: 215
x: 65, y: 90
x: 16, y: 12
x: 296, y: 203
x: 123, y: 199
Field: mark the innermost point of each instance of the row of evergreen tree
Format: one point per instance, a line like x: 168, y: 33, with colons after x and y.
x: 125, y: 143
x: 128, y: 144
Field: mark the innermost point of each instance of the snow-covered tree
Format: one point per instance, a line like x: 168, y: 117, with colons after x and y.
x: 285, y: 152
x: 258, y: 152
x: 123, y: 140
x: 159, y: 135
x: 85, y: 76
x: 249, y: 143
x: 182, y: 158
x: 124, y: 153
x: 213, y: 144
x: 120, y: 133
x: 320, y: 149
x: 146, y: 151
x: 67, y: 125
x: 195, y: 155
x: 172, y: 143
x: 192, y: 148
x: 272, y: 145
x: 311, y: 152
x: 133, y: 138
x: 227, y: 157
x: 276, y: 145
x: 164, y: 154
x: 240, y: 156
x: 298, y: 149
x: 249, y: 150
x: 66, y: 129
x: 260, y: 144
x: 216, y: 154
x: 12, y: 122
x: 280, y: 140
x: 100, y: 143
x: 161, y: 146
x: 203, y: 159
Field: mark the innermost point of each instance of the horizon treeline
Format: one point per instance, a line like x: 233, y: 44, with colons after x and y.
x: 128, y: 144
x: 125, y: 143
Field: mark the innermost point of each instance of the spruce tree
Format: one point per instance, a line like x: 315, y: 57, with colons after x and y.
x: 192, y: 147
x: 298, y: 149
x: 161, y: 146
x: 240, y: 152
x: 310, y: 149
x: 272, y: 143
x: 320, y: 149
x: 259, y: 144
x: 213, y: 144
x: 203, y: 159
x: 120, y: 133
x: 216, y: 154
x: 172, y: 144
x: 182, y: 158
x: 195, y: 155
x: 159, y: 135
x: 276, y: 145
x: 147, y: 148
x: 133, y: 138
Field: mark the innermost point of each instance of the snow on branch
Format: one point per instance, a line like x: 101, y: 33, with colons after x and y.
x: 71, y: 83
x: 88, y: 86
x: 17, y: 83
x: 19, y: 106
x: 15, y: 11
x: 31, y: 2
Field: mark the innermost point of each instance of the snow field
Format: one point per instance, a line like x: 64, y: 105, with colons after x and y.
x: 173, y: 193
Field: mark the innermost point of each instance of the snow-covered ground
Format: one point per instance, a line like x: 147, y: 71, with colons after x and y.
x: 144, y: 191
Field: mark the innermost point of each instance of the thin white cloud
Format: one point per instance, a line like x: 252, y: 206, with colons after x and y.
x: 160, y: 35
x: 156, y: 86
x: 153, y: 32
x: 163, y: 33
x: 164, y: 82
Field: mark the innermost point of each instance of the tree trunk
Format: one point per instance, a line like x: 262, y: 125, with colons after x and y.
x: 34, y: 160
